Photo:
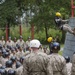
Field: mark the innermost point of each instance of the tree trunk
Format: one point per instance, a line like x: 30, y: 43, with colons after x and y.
x: 8, y: 29
x: 8, y: 26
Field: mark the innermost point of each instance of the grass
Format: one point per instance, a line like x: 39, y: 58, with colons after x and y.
x: 61, y: 51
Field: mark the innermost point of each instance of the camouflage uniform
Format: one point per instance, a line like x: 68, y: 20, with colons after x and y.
x: 45, y: 49
x: 1, y: 58
x: 11, y: 43
x: 26, y: 53
x: 0, y: 65
x: 11, y: 55
x: 73, y: 65
x: 36, y: 63
x: 69, y: 66
x: 41, y: 48
x: 58, y: 64
x: 19, y: 54
x: 28, y: 43
x: 14, y: 66
x: 21, y: 43
x: 8, y: 69
x: 19, y: 70
x: 2, y: 42
x: 14, y: 44
x: 4, y: 60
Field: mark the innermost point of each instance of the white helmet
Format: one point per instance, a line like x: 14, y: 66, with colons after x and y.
x: 35, y: 43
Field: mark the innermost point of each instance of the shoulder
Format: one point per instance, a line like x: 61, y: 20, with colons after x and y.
x: 20, y: 68
x: 28, y: 56
x: 18, y: 40
x: 39, y: 54
x: 26, y: 41
x: 56, y: 56
x: 61, y: 57
x: 73, y: 58
x: 42, y: 54
x: 22, y: 40
x: 12, y: 41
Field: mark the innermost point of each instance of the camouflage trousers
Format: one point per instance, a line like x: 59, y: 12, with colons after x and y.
x: 37, y: 73
x: 57, y: 73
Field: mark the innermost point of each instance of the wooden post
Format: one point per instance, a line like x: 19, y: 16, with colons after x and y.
x: 72, y: 8
x: 6, y: 32
x: 20, y: 29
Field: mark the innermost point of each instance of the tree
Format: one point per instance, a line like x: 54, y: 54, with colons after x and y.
x: 40, y: 12
x: 8, y: 12
x: 44, y: 12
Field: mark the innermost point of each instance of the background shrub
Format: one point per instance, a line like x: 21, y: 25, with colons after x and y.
x: 14, y: 32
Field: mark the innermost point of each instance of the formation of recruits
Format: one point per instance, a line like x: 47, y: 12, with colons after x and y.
x: 30, y: 58
x: 12, y: 54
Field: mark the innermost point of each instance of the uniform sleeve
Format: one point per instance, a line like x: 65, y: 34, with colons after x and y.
x: 73, y: 65
x: 19, y: 71
x: 64, y: 69
x: 65, y: 21
x: 25, y: 68
x: 49, y: 69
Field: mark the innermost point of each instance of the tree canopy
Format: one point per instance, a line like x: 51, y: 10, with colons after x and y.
x: 44, y: 12
x: 40, y: 12
x: 8, y: 12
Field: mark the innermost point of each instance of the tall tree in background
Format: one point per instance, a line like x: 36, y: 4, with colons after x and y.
x: 40, y: 12
x: 44, y: 12
x: 9, y: 10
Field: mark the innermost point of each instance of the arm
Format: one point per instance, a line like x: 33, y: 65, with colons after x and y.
x: 25, y: 68
x: 65, y: 21
x: 49, y: 68
x: 64, y: 69
x: 73, y: 65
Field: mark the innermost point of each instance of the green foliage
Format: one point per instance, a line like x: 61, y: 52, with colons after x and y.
x: 26, y: 32
x: 60, y: 52
x: 14, y: 32
x: 43, y: 14
x: 46, y: 9
x: 8, y: 12
x: 54, y: 33
x: 41, y: 36
x: 2, y: 33
x: 51, y: 32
